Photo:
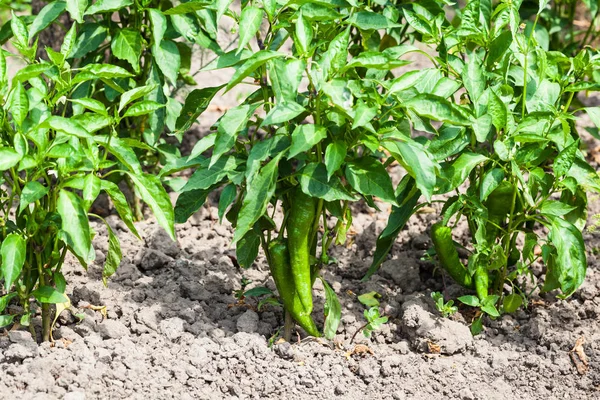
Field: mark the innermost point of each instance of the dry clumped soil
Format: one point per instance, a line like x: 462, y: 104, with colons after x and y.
x: 173, y: 329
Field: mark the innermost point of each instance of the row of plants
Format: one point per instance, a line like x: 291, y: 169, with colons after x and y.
x: 488, y: 130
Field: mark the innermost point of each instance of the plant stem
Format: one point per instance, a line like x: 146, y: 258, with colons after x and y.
x: 358, y: 330
x: 288, y: 326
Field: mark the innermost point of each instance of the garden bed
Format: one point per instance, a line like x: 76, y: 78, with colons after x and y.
x: 173, y: 330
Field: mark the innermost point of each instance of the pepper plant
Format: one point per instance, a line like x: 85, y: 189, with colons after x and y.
x: 513, y: 140
x: 154, y: 41
x: 304, y: 152
x: 59, y: 149
x: 324, y: 120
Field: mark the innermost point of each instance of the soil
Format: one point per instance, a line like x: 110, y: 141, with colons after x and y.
x: 174, y: 329
x: 169, y: 325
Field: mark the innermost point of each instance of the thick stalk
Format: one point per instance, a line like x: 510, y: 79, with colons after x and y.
x: 288, y: 326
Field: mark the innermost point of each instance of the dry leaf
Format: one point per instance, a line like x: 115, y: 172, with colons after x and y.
x: 578, y: 357
x: 359, y: 349
x: 433, y: 347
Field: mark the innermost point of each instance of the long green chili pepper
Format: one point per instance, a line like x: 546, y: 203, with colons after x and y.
x: 482, y: 282
x: 499, y: 203
x: 284, y: 280
x: 299, y: 225
x: 441, y: 235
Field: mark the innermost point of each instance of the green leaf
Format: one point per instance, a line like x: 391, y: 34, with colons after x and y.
x: 564, y: 160
x: 498, y: 47
x: 263, y: 150
x: 335, y: 154
x: 4, y: 300
x: 407, y: 197
x: 228, y: 59
x: 90, y: 38
x: 107, y: 71
x: 257, y: 198
x: 69, y: 40
x: 113, y: 256
x: 32, y: 192
x: 333, y: 311
x: 91, y: 104
x: 195, y: 104
x: 168, y: 59
x: 230, y: 125
x: 482, y: 127
x: 366, y: 21
x: 250, y: 21
x: 258, y: 291
x: 188, y: 7
x: 31, y: 71
x: 491, y: 310
x: 19, y: 31
x: 143, y: 107
x: 336, y: 56
x: 585, y: 175
x: 77, y: 8
x: 511, y: 303
x: 477, y: 327
x: 8, y: 158
x: 13, y: 252
x: 363, y: 114
x: 283, y: 112
x: 473, y: 77
x: 6, y: 320
x: 304, y: 34
x: 153, y: 193
x: 315, y: 183
x: 159, y: 25
x: 65, y: 125
x: 3, y: 68
x: 228, y: 196
x: 75, y: 224
x: 188, y: 203
x: 497, y: 110
x: 571, y: 263
x: 46, y: 16
x: 544, y: 97
x: 250, y: 65
x: 18, y: 103
x: 105, y: 6
x: 120, y: 202
x: 202, y: 145
x: 127, y: 45
x: 469, y: 300
x: 246, y: 249
x: 305, y: 137
x: 457, y: 172
x: 414, y: 157
x: 370, y: 178
x: 204, y: 177
x: 555, y: 208
x: 491, y: 180
x: 47, y: 294
x: 369, y: 299
x: 134, y: 94
x: 438, y: 109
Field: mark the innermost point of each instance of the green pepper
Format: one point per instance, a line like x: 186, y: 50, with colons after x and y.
x: 299, y: 225
x: 284, y: 280
x: 498, y: 204
x: 441, y: 235
x: 482, y: 282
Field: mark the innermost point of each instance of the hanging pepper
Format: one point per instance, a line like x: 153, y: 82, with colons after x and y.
x: 441, y: 235
x: 299, y: 225
x: 284, y: 280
